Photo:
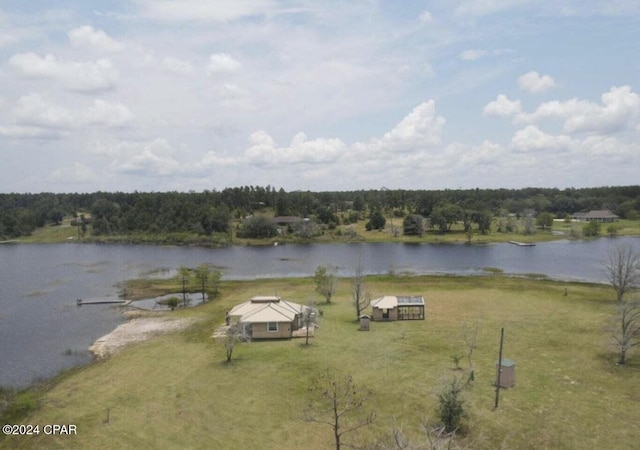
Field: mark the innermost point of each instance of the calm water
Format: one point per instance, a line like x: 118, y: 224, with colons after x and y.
x: 42, y: 331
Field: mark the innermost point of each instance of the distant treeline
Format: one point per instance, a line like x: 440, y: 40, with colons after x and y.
x: 212, y: 211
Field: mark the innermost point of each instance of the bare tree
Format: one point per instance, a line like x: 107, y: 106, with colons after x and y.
x: 361, y: 297
x: 309, y: 318
x: 470, y: 338
x: 325, y: 278
x: 202, y: 275
x: 627, y: 328
x: 622, y: 269
x: 183, y: 274
x: 233, y: 335
x: 337, y: 402
x: 436, y: 439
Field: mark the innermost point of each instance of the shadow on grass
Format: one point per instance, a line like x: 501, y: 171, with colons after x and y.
x: 611, y: 365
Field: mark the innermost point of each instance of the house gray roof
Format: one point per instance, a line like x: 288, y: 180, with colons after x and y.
x: 266, y: 309
x: 392, y: 301
x: 596, y: 214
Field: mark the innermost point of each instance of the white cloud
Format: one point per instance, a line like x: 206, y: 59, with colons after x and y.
x: 34, y: 110
x: 421, y: 127
x: 428, y: 70
x: 35, y: 116
x: 425, y: 17
x: 402, y: 147
x: 107, y: 114
x: 178, y: 66
x: 201, y: 11
x: 234, y: 96
x: 611, y: 148
x: 75, y: 76
x: 213, y: 159
x: 620, y: 110
x: 486, y: 7
x: 532, y: 139
x: 87, y: 36
x: 150, y: 158
x: 264, y: 151
x: 208, y: 74
x: 502, y: 107
x: 535, y: 83
x: 28, y: 132
x: 486, y: 154
x: 77, y: 173
x: 221, y: 63
x: 7, y: 39
x: 472, y: 55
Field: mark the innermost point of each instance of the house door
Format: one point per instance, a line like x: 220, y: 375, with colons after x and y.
x: 385, y: 314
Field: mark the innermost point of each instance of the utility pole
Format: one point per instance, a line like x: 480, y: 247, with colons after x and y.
x: 495, y: 406
x: 184, y: 291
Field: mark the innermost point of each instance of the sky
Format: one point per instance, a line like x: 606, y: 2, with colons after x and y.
x: 193, y: 95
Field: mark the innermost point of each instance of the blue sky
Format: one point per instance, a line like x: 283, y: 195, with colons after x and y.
x: 333, y: 95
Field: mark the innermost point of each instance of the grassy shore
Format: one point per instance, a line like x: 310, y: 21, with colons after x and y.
x: 343, y: 233
x: 176, y: 391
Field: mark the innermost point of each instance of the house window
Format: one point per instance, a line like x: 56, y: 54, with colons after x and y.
x: 272, y: 326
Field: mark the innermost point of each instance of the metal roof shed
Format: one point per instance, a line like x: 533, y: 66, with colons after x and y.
x: 508, y: 374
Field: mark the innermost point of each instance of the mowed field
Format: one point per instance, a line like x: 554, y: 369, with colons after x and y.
x: 176, y: 391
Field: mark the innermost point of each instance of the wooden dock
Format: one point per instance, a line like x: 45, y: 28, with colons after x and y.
x: 81, y: 302
x: 522, y: 244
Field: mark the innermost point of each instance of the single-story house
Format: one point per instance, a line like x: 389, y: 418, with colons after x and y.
x: 268, y: 317
x: 395, y: 307
x: 599, y: 215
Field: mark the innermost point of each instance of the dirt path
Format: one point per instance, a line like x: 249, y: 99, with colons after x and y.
x: 137, y: 329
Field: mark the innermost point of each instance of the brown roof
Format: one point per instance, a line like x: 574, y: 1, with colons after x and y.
x: 287, y: 219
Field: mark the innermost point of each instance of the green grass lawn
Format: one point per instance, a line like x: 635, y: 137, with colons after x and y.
x: 176, y: 391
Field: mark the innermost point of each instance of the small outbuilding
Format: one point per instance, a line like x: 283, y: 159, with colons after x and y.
x: 396, y: 307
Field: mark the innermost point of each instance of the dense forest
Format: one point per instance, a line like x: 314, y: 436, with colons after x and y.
x: 208, y: 212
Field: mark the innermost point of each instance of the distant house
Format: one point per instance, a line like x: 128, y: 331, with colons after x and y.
x: 287, y: 220
x: 286, y: 224
x: 597, y: 215
x: 392, y: 307
x: 268, y: 317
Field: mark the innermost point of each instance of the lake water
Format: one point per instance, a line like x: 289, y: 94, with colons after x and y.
x: 42, y: 331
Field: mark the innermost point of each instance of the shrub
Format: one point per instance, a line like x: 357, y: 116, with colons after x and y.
x: 591, y: 229
x: 451, y: 405
x: 258, y: 227
x: 413, y: 224
x: 173, y: 302
x: 377, y: 221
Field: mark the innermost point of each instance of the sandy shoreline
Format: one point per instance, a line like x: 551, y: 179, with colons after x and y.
x: 137, y: 329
